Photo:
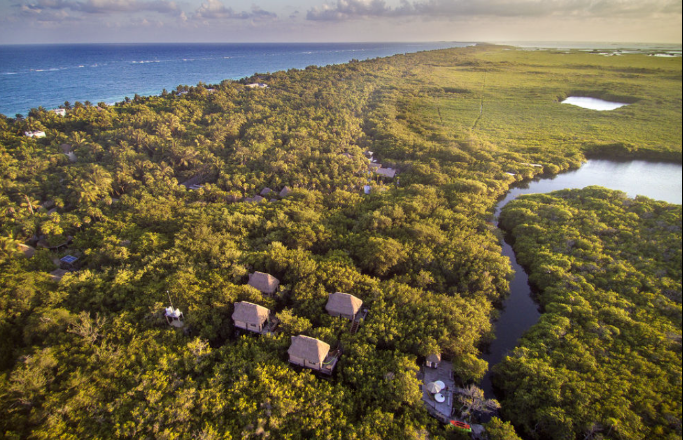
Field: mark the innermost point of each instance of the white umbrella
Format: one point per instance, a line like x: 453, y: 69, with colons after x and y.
x: 434, y: 387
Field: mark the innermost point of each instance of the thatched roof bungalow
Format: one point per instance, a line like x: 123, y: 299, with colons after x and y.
x: 433, y: 360
x: 194, y: 182
x: 386, y: 172
x: 256, y: 199
x: 308, y: 352
x: 343, y: 304
x: 57, y: 274
x: 263, y: 282
x: 284, y: 192
x: 249, y: 316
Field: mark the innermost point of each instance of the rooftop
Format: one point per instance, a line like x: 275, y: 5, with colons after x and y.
x: 284, y: 192
x: 343, y: 303
x: 250, y: 313
x: 308, y: 348
x: 264, y: 282
x: 255, y: 199
x: 386, y: 172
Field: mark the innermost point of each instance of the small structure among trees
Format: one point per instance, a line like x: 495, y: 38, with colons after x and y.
x: 194, y: 183
x: 36, y: 133
x: 386, y: 172
x: 312, y: 353
x: 256, y: 199
x: 344, y: 305
x: 252, y: 317
x: 263, y: 282
x: 67, y: 149
x: 284, y: 192
x: 174, y: 317
x: 433, y: 360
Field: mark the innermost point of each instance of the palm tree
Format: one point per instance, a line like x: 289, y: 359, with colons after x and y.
x: 29, y: 204
x: 8, y: 248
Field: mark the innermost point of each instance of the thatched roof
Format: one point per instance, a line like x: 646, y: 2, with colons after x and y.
x: 284, y: 192
x: 194, y: 181
x: 264, y: 282
x: 434, y: 357
x: 308, y: 348
x: 387, y: 172
x: 343, y: 303
x: 28, y: 251
x: 256, y: 199
x: 250, y: 313
x: 57, y: 274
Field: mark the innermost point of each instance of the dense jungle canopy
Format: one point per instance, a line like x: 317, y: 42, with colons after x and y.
x: 90, y: 355
x: 605, y: 357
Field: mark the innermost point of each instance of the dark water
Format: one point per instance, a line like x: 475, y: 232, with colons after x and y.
x: 47, y: 75
x: 660, y: 181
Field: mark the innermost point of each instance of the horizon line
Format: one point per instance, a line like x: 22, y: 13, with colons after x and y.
x: 495, y: 42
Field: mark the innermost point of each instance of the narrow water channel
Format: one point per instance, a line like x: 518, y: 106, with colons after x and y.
x: 660, y: 181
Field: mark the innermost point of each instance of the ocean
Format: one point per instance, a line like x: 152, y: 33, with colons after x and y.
x: 48, y: 75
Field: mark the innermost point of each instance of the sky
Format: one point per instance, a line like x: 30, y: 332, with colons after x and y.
x: 146, y: 21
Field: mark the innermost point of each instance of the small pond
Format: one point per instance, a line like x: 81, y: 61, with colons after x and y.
x: 660, y: 181
x: 593, y: 103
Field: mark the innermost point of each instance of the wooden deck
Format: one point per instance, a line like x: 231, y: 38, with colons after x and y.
x: 444, y: 373
x: 358, y: 320
x: 270, y: 327
x: 330, y: 361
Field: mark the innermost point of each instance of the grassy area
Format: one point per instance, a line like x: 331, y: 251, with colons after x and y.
x: 518, y: 93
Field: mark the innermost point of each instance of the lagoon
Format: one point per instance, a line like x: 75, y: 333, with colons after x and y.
x: 660, y: 181
x: 593, y: 103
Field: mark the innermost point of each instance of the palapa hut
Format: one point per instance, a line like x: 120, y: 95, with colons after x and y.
x: 263, y: 282
x: 433, y: 360
x: 386, y: 172
x: 308, y: 352
x: 194, y: 183
x: 343, y: 304
x: 57, y: 274
x: 26, y: 250
x: 284, y: 192
x: 250, y: 316
x: 256, y: 199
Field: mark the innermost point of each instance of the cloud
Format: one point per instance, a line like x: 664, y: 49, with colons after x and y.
x: 38, y: 15
x: 344, y: 10
x: 216, y: 10
x: 105, y: 6
x: 351, y: 9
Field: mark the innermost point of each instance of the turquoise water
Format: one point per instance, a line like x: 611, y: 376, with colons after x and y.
x: 47, y: 75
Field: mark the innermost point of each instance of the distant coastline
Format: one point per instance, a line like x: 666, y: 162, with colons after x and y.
x: 48, y: 75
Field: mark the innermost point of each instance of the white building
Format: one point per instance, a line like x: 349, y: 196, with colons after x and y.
x: 37, y: 134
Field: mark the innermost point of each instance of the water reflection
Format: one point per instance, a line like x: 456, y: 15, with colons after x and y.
x: 660, y: 181
x: 593, y: 103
